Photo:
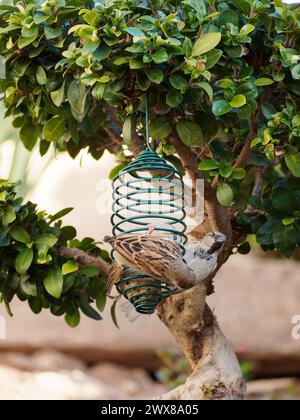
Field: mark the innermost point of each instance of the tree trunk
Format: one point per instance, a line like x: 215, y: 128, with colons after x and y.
x: 216, y: 373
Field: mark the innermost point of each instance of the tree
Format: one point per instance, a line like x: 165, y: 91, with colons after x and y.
x: 224, y: 91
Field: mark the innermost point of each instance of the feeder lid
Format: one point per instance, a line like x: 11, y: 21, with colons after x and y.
x: 149, y: 160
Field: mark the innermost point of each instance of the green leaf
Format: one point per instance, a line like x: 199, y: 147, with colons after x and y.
x: 187, y: 47
x: 268, y: 111
x: 228, y: 16
x: 225, y: 194
x: 160, y: 56
x: 54, y: 128
x: 244, y: 249
x: 296, y: 72
x: 264, y: 235
x: 242, y: 5
x: 263, y: 81
x: 29, y: 134
x: 25, y: 41
x: 90, y: 271
x: 247, y: 29
x: 54, y: 282
x: 116, y: 170
x: 24, y: 260
x: 41, y: 76
x: 51, y: 33
x: 284, y: 200
x: 207, y: 88
x: 67, y: 233
x: 101, y: 300
x: 120, y: 61
x: 178, y: 82
x: 73, y: 318
x: 190, y: 133
x: 174, y: 98
x: 238, y: 173
x: 160, y: 128
x: 89, y: 311
x: 285, y: 238
x: 206, y: 43
x: 129, y: 127
x: 296, y: 120
x: 28, y: 285
x: 113, y: 314
x: 60, y: 214
x: 58, y: 95
x: 9, y: 216
x: 77, y: 97
x: 292, y: 160
x: 46, y: 240
x: 69, y: 267
x: 136, y: 63
x: 19, y: 234
x: 235, y: 52
x: 226, y: 171
x: 212, y: 58
x: 238, y: 101
x: 209, y: 165
x: 221, y: 107
x: 135, y: 32
x: 155, y: 75
x: 35, y: 304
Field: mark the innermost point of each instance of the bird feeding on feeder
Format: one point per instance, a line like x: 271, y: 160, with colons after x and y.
x: 155, y: 256
x: 162, y: 258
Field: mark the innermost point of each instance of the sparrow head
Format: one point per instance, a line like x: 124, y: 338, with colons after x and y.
x: 211, y: 243
x: 214, y: 241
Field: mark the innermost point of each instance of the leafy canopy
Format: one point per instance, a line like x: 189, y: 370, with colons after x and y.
x: 32, y: 267
x: 217, y: 73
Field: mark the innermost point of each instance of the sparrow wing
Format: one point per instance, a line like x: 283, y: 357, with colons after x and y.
x: 152, y: 255
x: 114, y: 276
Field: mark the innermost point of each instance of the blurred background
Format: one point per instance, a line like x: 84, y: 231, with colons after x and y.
x: 256, y: 302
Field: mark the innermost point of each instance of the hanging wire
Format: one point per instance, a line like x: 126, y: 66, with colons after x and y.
x: 147, y: 122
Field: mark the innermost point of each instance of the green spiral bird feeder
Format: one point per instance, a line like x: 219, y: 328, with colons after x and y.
x: 149, y: 191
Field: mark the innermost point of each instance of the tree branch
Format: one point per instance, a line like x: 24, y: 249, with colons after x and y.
x: 85, y: 259
x: 216, y: 373
x: 217, y: 216
x: 244, y: 155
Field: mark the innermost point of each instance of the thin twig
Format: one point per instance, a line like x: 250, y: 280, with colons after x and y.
x: 244, y: 155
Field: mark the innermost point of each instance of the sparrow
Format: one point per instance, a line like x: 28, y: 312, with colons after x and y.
x: 162, y: 258
x: 202, y: 256
x: 148, y: 254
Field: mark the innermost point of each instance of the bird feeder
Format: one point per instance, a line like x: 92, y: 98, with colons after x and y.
x: 149, y: 191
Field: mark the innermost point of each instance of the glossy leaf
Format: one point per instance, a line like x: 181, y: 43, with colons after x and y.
x: 206, y: 43
x: 24, y: 260
x: 190, y: 133
x: 54, y: 282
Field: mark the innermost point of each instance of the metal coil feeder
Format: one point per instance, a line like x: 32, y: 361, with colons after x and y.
x: 149, y: 191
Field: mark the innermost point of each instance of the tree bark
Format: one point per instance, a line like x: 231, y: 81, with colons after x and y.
x: 216, y: 373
